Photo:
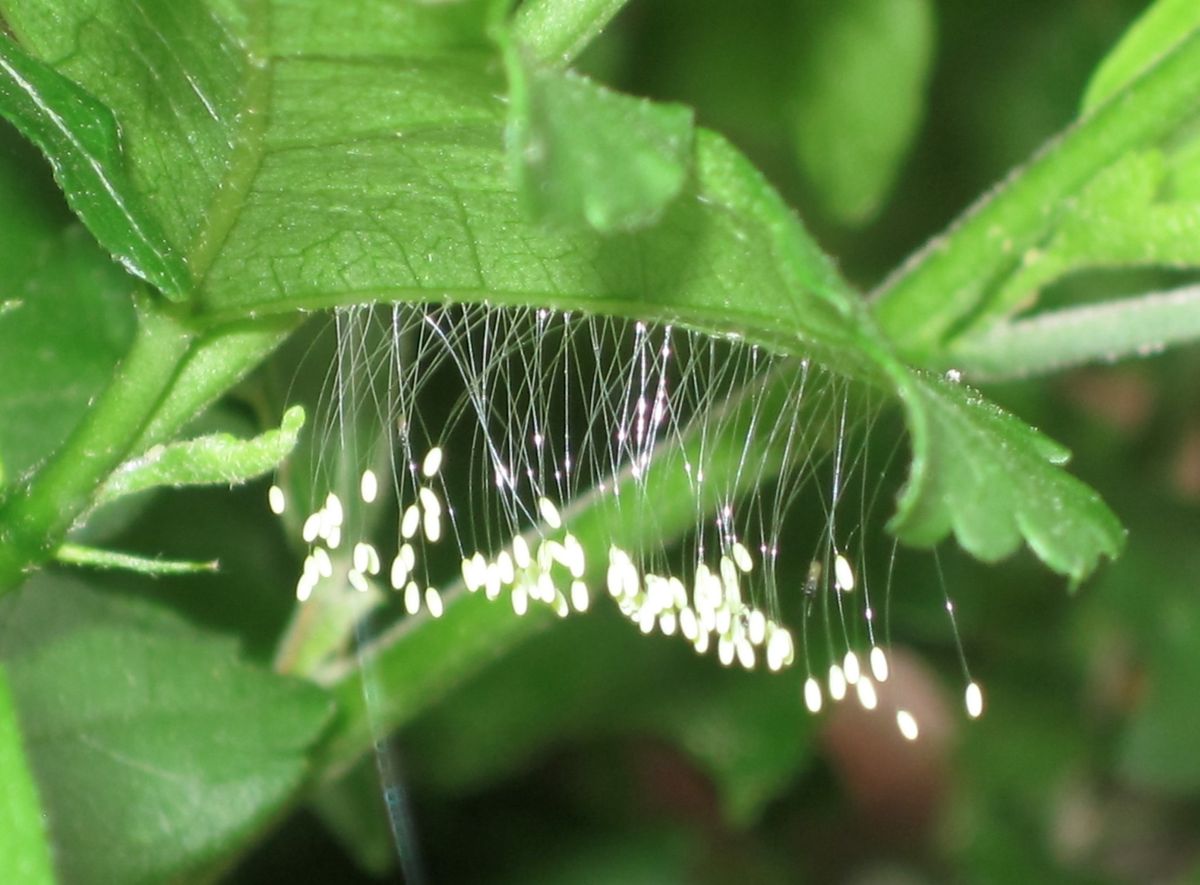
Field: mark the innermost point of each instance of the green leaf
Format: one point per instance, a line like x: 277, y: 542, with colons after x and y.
x: 862, y: 68
x: 155, y: 748
x: 288, y: 210
x: 216, y: 459
x: 297, y: 215
x: 1156, y: 31
x: 558, y: 30
x: 79, y: 136
x: 369, y: 28
x: 585, y: 155
x: 180, y: 85
x: 67, y: 317
x: 446, y: 222
x: 980, y: 473
x: 66, y: 606
x: 24, y: 850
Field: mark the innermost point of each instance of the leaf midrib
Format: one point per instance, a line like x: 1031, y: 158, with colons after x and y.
x: 246, y: 158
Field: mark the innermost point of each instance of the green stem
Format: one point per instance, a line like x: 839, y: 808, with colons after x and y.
x: 949, y: 281
x: 556, y: 31
x: 1062, y: 339
x: 34, y: 520
x: 416, y: 662
x: 218, y: 361
x: 166, y: 379
x: 93, y: 557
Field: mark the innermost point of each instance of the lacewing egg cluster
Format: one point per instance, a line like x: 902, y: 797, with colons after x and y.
x: 552, y: 570
x: 520, y: 394
x: 714, y: 611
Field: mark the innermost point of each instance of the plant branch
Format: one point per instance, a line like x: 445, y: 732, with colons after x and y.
x: 556, y: 31
x: 1063, y: 339
x: 36, y: 516
x: 948, y: 281
x: 166, y: 379
x: 218, y: 361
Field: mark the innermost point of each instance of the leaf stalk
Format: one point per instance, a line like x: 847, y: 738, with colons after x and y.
x: 36, y: 516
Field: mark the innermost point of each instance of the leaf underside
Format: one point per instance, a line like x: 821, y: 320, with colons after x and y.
x: 305, y: 154
x: 79, y: 136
